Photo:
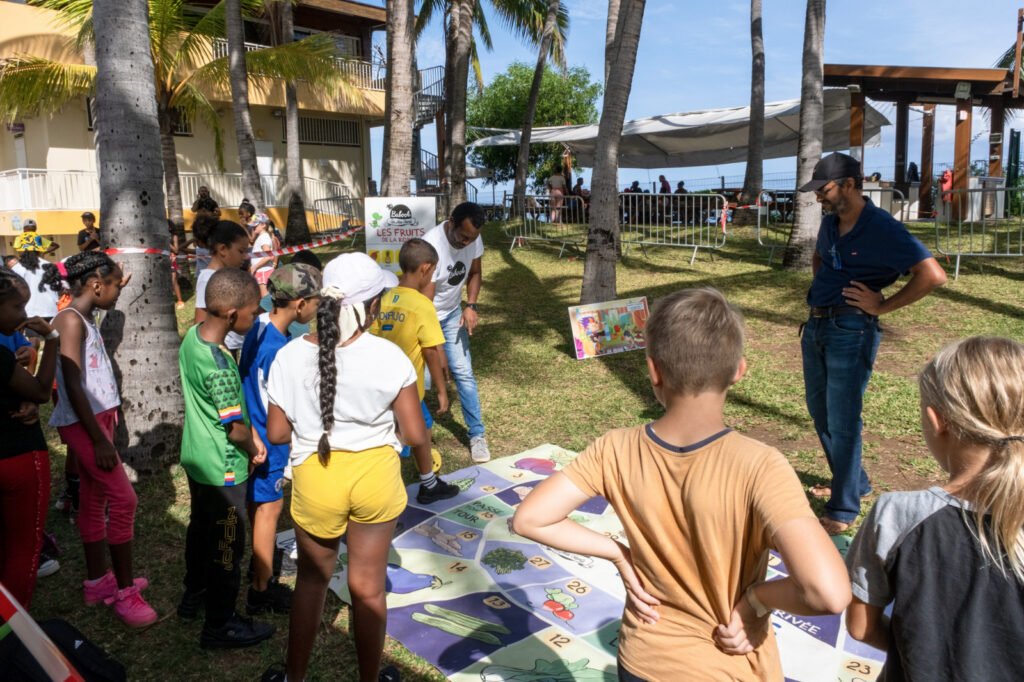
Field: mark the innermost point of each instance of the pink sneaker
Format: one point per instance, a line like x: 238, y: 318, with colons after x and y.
x: 131, y: 608
x: 106, y: 588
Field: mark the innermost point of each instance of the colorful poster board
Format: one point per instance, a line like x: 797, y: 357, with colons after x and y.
x: 609, y: 327
x: 483, y: 604
x: 392, y: 221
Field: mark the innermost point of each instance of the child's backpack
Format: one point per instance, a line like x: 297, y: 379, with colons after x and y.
x: 92, y: 663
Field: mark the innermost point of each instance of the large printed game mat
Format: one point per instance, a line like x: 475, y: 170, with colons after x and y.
x: 485, y: 605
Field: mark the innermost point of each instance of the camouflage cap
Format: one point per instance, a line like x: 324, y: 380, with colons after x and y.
x: 294, y: 281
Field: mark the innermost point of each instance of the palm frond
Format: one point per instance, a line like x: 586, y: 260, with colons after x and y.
x: 426, y: 13
x: 481, y: 26
x: 312, y: 59
x: 32, y: 86
x: 474, y: 60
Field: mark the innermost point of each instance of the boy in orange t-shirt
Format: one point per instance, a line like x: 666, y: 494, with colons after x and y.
x: 701, y: 505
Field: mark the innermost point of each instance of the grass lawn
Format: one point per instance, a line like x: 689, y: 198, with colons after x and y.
x: 533, y: 391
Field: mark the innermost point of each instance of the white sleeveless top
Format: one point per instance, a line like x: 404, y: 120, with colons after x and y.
x: 97, y: 377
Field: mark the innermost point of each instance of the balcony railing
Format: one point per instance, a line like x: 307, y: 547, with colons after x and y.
x: 32, y: 189
x: 362, y: 74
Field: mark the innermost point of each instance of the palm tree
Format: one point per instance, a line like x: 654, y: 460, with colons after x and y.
x: 521, y: 16
x: 145, y: 351
x: 182, y: 42
x: 753, y: 177
x: 800, y: 249
x: 235, y: 27
x: 603, y: 234
x: 523, y: 161
x: 398, y: 98
x: 282, y: 25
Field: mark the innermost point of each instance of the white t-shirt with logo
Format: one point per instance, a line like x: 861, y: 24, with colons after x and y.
x: 452, y: 269
x: 371, y: 372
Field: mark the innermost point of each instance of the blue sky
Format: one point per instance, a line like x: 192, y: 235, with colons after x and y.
x: 695, y: 54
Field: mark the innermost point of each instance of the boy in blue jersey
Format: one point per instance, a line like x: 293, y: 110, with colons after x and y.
x: 295, y: 292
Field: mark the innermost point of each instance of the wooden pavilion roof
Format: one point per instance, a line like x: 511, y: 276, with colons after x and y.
x: 922, y: 83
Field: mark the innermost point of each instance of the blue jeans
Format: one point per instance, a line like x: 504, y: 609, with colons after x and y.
x: 460, y: 363
x: 838, y: 354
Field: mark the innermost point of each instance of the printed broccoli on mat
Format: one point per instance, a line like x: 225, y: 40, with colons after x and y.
x: 504, y: 560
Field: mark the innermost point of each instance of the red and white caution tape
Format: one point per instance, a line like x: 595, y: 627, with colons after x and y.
x: 42, y: 648
x: 128, y: 250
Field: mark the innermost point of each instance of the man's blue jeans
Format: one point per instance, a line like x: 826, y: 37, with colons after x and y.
x: 456, y: 347
x: 838, y: 354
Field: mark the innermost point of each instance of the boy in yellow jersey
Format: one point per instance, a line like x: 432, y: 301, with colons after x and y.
x: 408, y: 319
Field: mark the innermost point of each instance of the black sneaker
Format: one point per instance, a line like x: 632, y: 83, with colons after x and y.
x: 188, y: 607
x: 277, y: 598
x: 236, y: 633
x: 273, y: 675
x: 390, y: 674
x: 441, y: 491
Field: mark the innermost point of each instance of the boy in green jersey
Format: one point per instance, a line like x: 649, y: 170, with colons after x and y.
x: 216, y: 449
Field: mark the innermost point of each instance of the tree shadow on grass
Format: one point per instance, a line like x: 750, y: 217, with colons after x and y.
x: 973, y: 301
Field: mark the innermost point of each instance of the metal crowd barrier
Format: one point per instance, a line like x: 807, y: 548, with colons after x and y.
x: 777, y: 209
x: 333, y: 214
x: 539, y: 218
x: 980, y: 223
x: 694, y: 221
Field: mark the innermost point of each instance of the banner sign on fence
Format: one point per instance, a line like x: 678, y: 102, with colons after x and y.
x: 392, y: 221
x: 609, y: 327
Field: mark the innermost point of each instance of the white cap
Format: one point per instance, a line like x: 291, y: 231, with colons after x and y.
x: 355, y: 277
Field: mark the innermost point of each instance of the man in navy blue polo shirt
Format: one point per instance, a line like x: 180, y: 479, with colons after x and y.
x: 861, y: 250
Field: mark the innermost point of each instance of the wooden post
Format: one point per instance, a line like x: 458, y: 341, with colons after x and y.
x: 995, y: 139
x: 442, y: 144
x: 924, y: 192
x: 902, y: 129
x: 961, y: 155
x: 1016, y: 54
x: 857, y: 128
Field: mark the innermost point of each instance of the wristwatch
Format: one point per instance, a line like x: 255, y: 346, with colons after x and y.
x: 471, y: 305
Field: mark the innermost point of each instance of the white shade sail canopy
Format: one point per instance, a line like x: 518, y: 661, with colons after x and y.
x: 705, y: 138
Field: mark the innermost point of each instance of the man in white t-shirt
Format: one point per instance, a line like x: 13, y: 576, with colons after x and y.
x: 459, y: 250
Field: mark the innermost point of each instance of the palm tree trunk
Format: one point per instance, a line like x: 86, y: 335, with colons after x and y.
x: 172, y: 182
x: 523, y: 161
x: 800, y: 249
x: 462, y: 21
x: 398, y: 98
x: 609, y: 38
x: 297, y: 229
x: 251, y: 186
x: 144, y: 351
x: 603, y: 236
x: 753, y: 178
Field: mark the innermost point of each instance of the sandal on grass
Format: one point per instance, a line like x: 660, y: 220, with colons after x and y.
x: 821, y: 490
x: 833, y: 527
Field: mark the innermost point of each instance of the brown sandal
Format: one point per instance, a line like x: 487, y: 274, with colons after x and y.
x: 821, y: 491
x: 833, y: 527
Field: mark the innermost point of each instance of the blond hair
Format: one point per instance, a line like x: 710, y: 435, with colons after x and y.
x: 977, y: 385
x: 695, y: 337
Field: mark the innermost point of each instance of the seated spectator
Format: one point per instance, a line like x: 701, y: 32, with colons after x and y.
x: 681, y: 188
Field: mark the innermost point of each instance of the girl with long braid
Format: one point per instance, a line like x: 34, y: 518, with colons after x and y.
x: 335, y: 396
x: 85, y: 415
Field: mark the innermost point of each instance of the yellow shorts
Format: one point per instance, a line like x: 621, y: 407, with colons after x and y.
x: 364, y: 486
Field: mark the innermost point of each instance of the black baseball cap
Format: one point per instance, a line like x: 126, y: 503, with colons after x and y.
x: 88, y: 214
x: 835, y: 166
